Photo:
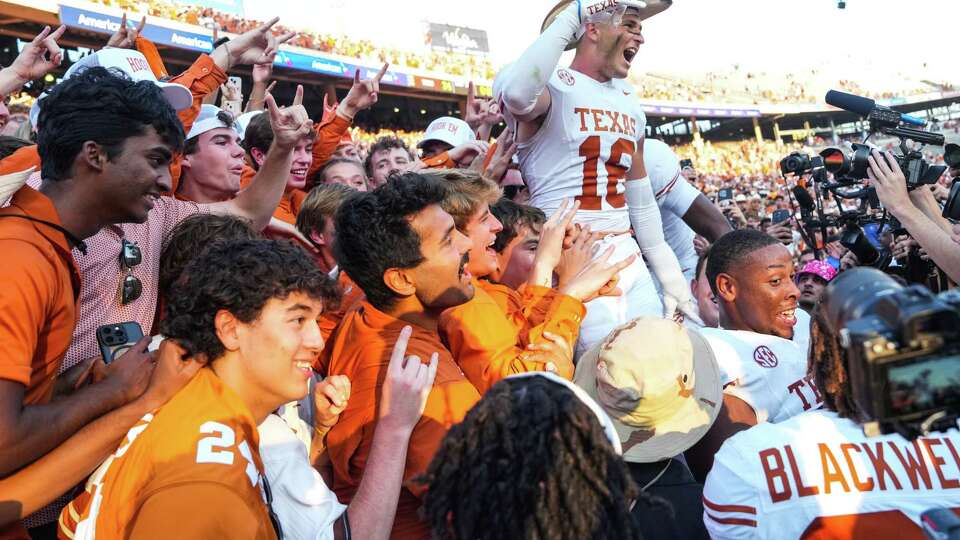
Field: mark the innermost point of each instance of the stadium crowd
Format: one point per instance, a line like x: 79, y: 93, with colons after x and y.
x: 229, y: 317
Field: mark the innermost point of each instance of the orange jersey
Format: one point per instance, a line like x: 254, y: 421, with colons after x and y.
x: 290, y: 201
x: 488, y: 344
x: 191, y: 469
x: 329, y: 320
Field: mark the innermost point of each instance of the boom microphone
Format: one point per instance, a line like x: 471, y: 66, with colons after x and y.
x: 863, y: 106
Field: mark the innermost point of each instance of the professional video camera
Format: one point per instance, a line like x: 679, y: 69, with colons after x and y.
x: 848, y: 171
x: 903, y: 351
x: 853, y: 168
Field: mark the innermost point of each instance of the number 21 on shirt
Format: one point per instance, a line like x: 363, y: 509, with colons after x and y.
x: 592, y: 195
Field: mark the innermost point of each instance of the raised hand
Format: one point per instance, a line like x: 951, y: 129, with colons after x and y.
x: 330, y: 398
x: 464, y: 154
x: 261, y: 73
x: 363, y: 94
x: 290, y: 124
x: 38, y: 57
x: 502, y: 157
x: 126, y: 37
x: 407, y: 385
x: 599, y: 278
x: 578, y: 256
x: 258, y: 46
x: 552, y: 235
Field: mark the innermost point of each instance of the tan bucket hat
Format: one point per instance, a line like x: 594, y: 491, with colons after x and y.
x: 660, y: 384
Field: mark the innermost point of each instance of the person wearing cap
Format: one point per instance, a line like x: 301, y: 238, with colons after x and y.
x: 761, y: 344
x: 661, y: 386
x: 212, y: 158
x: 537, y: 457
x: 811, y: 280
x: 449, y: 143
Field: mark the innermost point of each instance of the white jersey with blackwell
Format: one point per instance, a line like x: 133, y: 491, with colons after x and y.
x: 817, y: 476
x: 767, y: 372
x: 584, y: 148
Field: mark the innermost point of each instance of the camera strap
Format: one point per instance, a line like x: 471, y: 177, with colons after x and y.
x: 80, y: 244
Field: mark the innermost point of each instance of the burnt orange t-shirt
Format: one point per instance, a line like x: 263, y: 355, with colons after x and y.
x: 290, y: 201
x: 189, y: 470
x: 329, y: 320
x: 489, y: 345
x: 360, y: 348
x: 38, y: 300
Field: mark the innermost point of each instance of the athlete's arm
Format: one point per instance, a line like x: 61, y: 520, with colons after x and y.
x: 706, y: 219
x: 523, y: 83
x: 730, y: 501
x: 648, y: 230
x: 735, y: 416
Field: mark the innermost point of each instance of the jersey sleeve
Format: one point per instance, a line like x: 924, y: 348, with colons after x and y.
x: 736, y: 378
x: 677, y: 196
x: 730, y: 503
x: 198, y: 511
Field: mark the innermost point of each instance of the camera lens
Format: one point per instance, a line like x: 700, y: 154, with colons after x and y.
x: 853, y: 293
x: 835, y: 161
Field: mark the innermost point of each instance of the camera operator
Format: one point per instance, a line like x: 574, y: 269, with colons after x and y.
x: 818, y: 473
x: 917, y: 211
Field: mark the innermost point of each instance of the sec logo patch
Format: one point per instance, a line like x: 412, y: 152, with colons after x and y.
x: 765, y: 357
x: 566, y: 77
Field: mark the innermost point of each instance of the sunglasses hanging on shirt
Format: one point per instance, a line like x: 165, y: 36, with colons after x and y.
x: 130, y: 286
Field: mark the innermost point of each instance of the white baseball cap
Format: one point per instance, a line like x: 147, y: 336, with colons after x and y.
x: 210, y: 119
x: 244, y: 120
x: 660, y: 384
x: 450, y: 130
x: 135, y: 65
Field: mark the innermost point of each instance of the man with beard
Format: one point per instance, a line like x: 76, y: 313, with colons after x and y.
x: 812, y: 280
x: 580, y: 133
x: 406, y: 254
x: 763, y: 361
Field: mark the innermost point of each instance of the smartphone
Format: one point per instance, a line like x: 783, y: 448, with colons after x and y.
x: 238, y: 82
x: 725, y: 194
x: 684, y: 163
x: 780, y: 215
x: 116, y: 339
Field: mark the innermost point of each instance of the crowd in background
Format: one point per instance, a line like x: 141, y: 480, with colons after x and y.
x: 371, y: 335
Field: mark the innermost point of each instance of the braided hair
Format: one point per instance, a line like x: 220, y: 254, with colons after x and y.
x: 828, y: 365
x: 533, y: 449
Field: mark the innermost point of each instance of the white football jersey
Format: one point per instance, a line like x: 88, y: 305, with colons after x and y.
x: 767, y: 372
x: 584, y: 149
x: 817, y: 476
x: 674, y: 197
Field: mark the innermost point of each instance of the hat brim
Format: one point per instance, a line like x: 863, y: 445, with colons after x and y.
x: 681, y: 430
x: 653, y: 7
x: 177, y: 95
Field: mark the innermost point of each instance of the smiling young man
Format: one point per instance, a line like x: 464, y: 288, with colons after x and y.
x: 581, y: 135
x: 763, y: 367
x: 212, y: 158
x: 501, y: 331
x: 517, y: 242
x: 386, y: 156
x: 253, y: 321
x: 404, y: 251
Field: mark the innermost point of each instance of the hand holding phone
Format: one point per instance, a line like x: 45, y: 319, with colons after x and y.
x: 116, y: 339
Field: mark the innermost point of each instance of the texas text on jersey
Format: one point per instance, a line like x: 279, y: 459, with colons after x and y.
x: 817, y: 476
x: 584, y: 148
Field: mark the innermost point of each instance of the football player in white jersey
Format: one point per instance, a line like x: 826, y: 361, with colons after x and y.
x: 764, y: 372
x: 817, y: 475
x: 684, y: 211
x: 580, y: 133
